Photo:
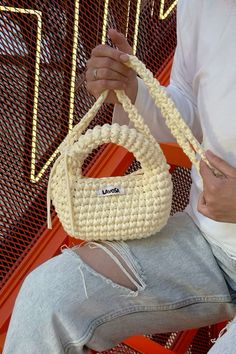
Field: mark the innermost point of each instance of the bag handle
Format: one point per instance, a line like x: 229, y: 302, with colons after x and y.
x: 174, y: 121
x: 173, y: 118
x: 79, y: 128
x: 131, y: 110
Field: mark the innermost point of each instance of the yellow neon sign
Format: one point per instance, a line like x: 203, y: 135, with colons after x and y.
x: 164, y: 14
x: 127, y: 19
x: 38, y: 14
x: 73, y: 69
x: 105, y: 20
x: 33, y: 177
x: 136, y: 27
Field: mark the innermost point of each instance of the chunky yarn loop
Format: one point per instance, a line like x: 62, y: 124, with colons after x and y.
x: 118, y: 208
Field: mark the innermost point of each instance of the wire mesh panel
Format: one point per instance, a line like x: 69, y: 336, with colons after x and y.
x: 199, y: 344
x: 44, y: 46
x: 121, y: 349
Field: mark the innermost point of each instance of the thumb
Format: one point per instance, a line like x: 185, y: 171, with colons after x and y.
x: 119, y: 40
x: 220, y: 165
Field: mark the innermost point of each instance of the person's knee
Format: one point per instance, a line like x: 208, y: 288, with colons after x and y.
x: 32, y: 289
x: 110, y: 263
x: 38, y: 287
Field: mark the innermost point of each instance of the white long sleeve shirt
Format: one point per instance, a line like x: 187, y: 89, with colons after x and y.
x: 203, y: 87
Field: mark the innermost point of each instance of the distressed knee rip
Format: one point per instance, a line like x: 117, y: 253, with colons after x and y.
x: 114, y: 261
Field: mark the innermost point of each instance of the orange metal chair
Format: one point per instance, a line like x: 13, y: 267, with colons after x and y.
x: 113, y: 161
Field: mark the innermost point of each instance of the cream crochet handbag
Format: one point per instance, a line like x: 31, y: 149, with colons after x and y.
x: 118, y: 208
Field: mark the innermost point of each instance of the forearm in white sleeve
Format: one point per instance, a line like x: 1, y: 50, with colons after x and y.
x: 179, y: 89
x: 150, y: 113
x: 152, y: 116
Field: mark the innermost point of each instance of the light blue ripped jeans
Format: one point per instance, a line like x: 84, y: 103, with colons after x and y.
x: 67, y: 306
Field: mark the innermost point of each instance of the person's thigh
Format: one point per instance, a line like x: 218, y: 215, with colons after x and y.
x: 179, y: 284
x: 228, y: 266
x: 73, y: 302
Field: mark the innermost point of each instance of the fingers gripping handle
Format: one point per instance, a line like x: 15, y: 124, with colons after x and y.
x: 174, y: 121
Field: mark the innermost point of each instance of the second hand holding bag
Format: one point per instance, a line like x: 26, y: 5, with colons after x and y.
x: 126, y: 207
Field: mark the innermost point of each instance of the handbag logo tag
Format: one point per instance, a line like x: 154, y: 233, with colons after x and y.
x: 110, y: 190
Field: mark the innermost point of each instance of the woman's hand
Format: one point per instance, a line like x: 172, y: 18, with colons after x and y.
x: 218, y: 200
x: 106, y: 69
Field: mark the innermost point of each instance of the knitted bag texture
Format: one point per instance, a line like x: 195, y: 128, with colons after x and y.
x: 133, y: 206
